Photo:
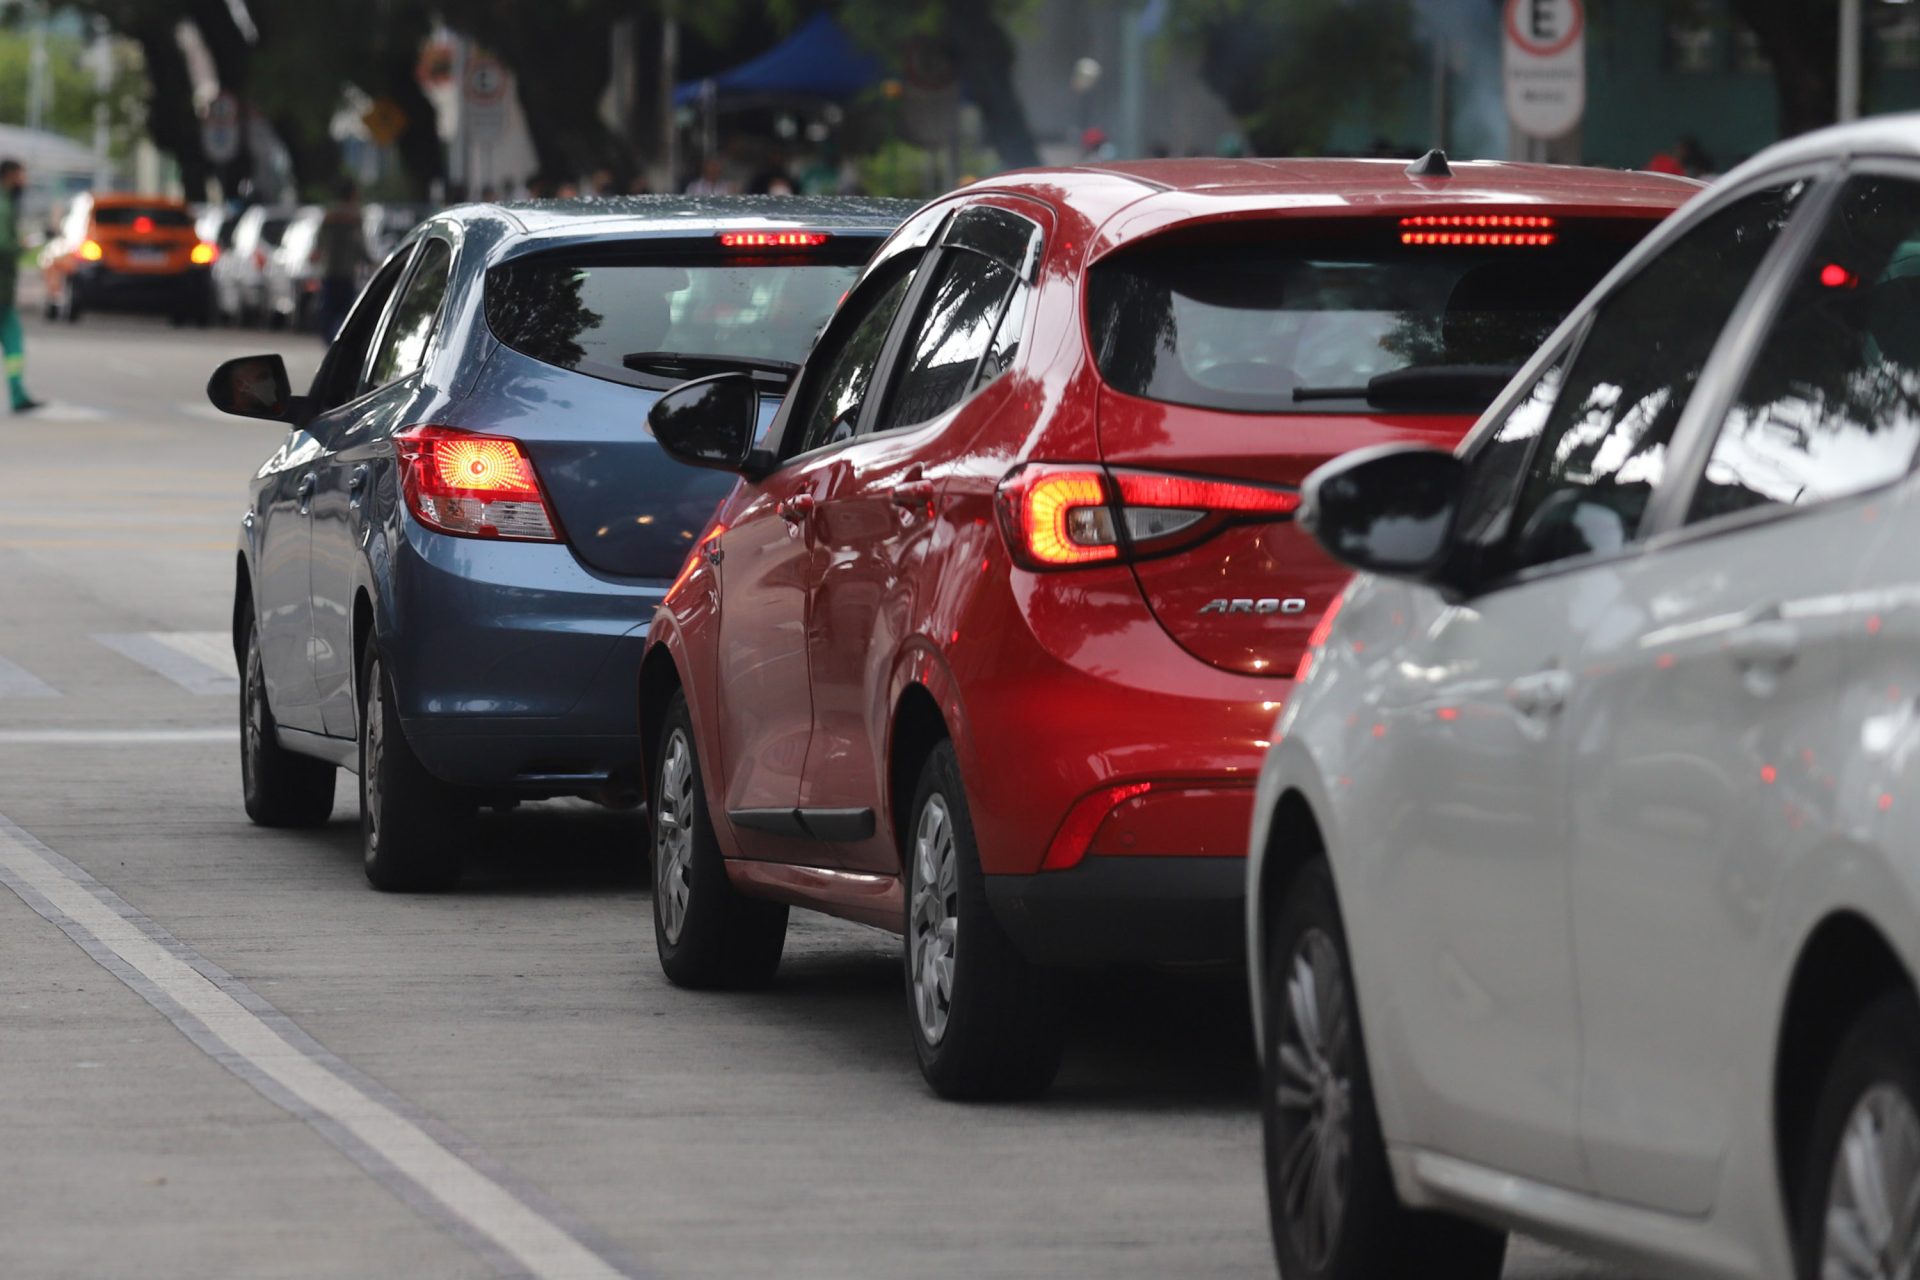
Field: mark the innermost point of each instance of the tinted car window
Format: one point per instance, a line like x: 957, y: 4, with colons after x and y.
x: 272, y: 230
x: 1006, y: 339
x: 832, y: 405
x: 1602, y: 449
x: 1305, y: 321
x: 404, y: 348
x: 589, y: 315
x: 125, y: 215
x: 954, y: 330
x: 1831, y: 405
x: 339, y: 377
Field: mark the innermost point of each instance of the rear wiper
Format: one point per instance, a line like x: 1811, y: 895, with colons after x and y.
x: 684, y: 365
x: 1446, y: 386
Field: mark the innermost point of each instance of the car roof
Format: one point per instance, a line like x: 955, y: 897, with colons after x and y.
x: 121, y: 199
x: 511, y: 228
x: 1158, y: 194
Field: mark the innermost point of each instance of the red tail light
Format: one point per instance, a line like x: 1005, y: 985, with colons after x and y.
x: 1069, y: 845
x: 143, y: 225
x: 1055, y: 517
x: 773, y: 239
x: 474, y: 486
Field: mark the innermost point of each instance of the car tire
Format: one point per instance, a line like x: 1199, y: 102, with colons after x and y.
x: 70, y: 303
x: 708, y: 934
x: 1865, y: 1148
x: 412, y: 825
x: 1331, y: 1202
x: 279, y: 787
x: 986, y: 1021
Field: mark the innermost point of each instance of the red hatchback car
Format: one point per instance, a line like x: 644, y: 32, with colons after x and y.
x: 985, y: 645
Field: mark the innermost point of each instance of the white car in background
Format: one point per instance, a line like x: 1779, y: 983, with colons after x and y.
x: 1585, y: 879
x: 240, y: 272
x: 293, y: 273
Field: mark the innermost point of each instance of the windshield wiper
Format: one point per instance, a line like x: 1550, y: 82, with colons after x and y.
x: 685, y: 365
x: 1444, y: 386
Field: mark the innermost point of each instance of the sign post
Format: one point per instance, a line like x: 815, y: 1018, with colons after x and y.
x: 483, y: 112
x: 1544, y: 58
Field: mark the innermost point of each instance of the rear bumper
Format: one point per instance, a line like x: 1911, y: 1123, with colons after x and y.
x: 516, y: 668
x: 1127, y: 910
x: 103, y: 286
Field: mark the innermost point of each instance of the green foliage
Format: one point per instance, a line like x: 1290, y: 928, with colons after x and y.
x: 72, y: 96
x: 1293, y: 69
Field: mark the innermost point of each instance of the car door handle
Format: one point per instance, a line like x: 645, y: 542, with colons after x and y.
x: 304, y: 490
x: 358, y: 480
x: 913, y: 494
x: 796, y: 509
x: 1768, y: 646
x: 1541, y: 694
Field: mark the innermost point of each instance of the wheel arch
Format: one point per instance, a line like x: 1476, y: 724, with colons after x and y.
x: 1845, y: 964
x: 242, y: 607
x: 659, y: 679
x: 362, y: 629
x: 1294, y: 838
x: 917, y: 727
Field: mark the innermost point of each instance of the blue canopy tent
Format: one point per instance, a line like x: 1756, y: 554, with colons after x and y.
x: 818, y: 60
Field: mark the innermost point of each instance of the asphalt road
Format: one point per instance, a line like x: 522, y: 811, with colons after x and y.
x: 222, y: 1054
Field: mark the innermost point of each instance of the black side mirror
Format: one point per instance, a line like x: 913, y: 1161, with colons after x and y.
x: 709, y: 422
x: 1389, y: 509
x: 253, y: 387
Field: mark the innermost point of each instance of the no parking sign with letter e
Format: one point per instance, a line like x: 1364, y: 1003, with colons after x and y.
x: 1544, y: 57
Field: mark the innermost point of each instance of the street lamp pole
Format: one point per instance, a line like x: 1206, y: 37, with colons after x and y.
x: 1849, y: 104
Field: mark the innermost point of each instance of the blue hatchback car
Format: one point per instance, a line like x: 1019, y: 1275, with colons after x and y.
x: 447, y: 567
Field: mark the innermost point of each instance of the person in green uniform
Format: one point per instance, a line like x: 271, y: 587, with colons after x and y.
x: 13, y: 340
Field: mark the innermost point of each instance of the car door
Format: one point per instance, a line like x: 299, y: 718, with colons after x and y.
x: 1707, y: 751
x: 876, y: 517
x: 1475, y: 853
x: 354, y: 446
x: 285, y: 572
x: 763, y: 695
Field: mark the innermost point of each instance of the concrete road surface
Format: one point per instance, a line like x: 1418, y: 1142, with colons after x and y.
x: 221, y: 1054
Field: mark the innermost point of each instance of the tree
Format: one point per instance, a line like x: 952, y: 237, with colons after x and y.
x: 1802, y: 40
x: 1290, y: 72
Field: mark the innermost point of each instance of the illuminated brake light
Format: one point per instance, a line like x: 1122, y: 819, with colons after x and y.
x: 1075, y: 837
x: 143, y: 225
x: 1057, y: 517
x: 1501, y: 230
x: 203, y: 254
x: 773, y: 239
x: 91, y: 251
x: 1318, y: 637
x: 473, y: 486
x: 1835, y: 276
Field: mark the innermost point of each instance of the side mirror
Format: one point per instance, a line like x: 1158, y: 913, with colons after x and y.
x: 253, y: 387
x: 1388, y: 510
x: 709, y: 422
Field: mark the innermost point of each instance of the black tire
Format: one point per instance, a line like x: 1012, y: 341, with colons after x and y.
x: 279, y: 787
x: 412, y: 825
x: 1875, y: 1065
x: 992, y: 1029
x: 1372, y: 1236
x: 70, y: 307
x: 709, y: 934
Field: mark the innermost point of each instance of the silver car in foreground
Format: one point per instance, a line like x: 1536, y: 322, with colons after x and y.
x: 1585, y: 893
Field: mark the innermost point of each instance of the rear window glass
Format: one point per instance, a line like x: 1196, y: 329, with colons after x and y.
x: 125, y: 215
x: 589, y: 316
x: 1306, y: 323
x: 272, y: 230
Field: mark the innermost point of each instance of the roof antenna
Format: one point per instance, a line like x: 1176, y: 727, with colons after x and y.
x: 1431, y: 165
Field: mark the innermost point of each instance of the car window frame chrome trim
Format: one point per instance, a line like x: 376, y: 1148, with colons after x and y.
x: 1768, y: 280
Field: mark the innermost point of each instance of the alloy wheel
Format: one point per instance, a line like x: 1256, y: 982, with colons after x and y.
x: 673, y: 837
x: 1873, y: 1197
x: 376, y: 748
x: 253, y: 721
x: 935, y: 918
x: 1314, y: 1096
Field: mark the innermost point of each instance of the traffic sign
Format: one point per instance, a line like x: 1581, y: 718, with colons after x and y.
x: 484, y: 90
x: 220, y: 129
x: 1544, y: 56
x: 386, y: 120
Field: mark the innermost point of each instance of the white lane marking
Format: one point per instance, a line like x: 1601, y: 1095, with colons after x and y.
x: 18, y: 682
x: 112, y: 737
x: 200, y: 662
x: 263, y: 1047
x: 60, y: 412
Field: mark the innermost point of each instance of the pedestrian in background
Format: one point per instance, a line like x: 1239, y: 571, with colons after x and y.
x: 340, y: 249
x: 13, y: 339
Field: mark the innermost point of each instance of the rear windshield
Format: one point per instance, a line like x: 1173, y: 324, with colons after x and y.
x: 590, y: 315
x: 1306, y: 324
x: 273, y: 229
x: 125, y: 215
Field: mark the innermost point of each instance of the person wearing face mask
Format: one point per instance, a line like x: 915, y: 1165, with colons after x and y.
x: 13, y: 340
